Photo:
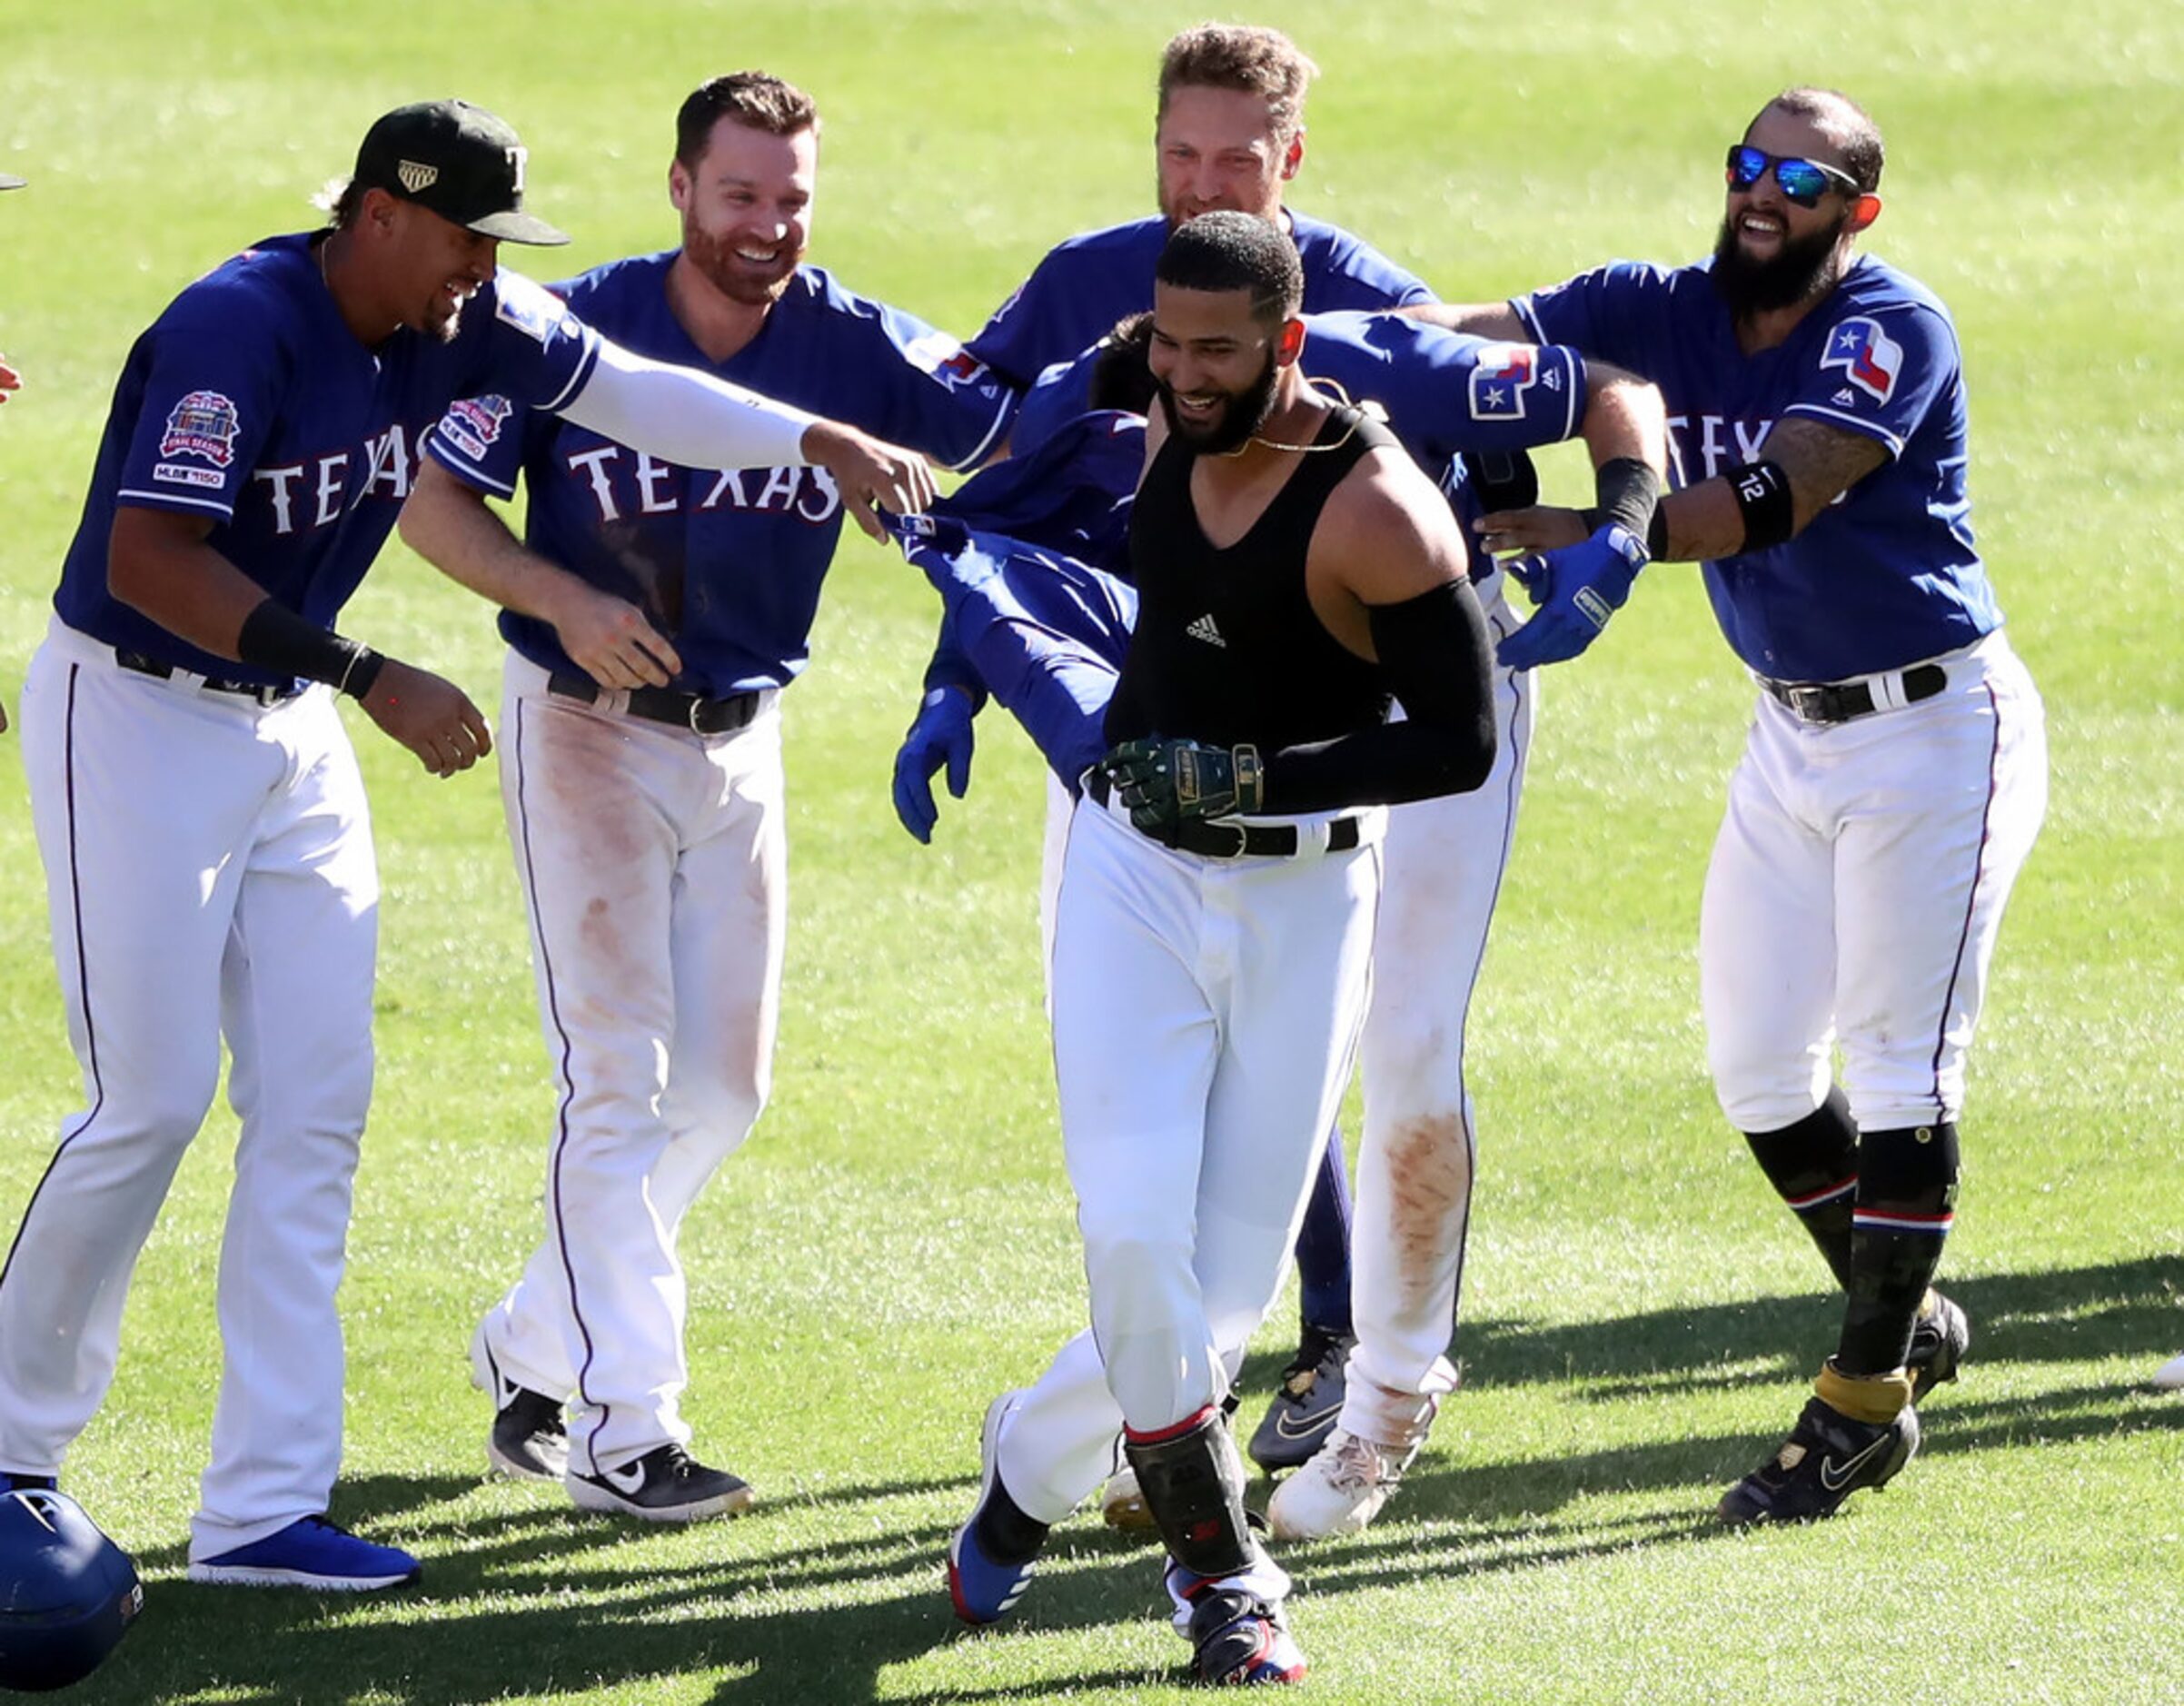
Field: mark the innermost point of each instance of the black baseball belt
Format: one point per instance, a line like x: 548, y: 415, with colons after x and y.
x: 1236, y: 841
x: 1839, y: 701
x: 279, y: 694
x: 693, y: 711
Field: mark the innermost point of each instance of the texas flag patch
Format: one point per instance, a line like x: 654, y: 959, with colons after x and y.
x: 1869, y: 355
x: 203, y: 423
x: 1504, y: 373
x: 946, y: 361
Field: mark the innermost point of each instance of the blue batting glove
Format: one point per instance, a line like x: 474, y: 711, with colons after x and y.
x: 1581, y: 586
x: 940, y: 734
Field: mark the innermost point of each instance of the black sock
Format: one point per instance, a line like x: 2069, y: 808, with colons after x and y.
x: 1813, y: 1167
x: 1005, y: 1533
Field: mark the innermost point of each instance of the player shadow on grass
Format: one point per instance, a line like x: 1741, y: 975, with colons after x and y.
x: 539, y: 1601
x: 2133, y: 1309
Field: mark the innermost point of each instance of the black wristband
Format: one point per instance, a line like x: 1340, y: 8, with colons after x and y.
x: 1656, y: 530
x: 1627, y: 490
x: 1763, y: 493
x: 274, y: 637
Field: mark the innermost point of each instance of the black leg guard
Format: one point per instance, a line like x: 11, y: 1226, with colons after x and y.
x: 1813, y: 1167
x: 1193, y: 1482
x: 1907, y: 1198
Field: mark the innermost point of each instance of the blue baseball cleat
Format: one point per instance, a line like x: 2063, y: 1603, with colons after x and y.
x: 310, y: 1552
x: 990, y: 1560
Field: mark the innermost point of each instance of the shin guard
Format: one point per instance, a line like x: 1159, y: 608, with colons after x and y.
x: 1193, y: 1482
x: 1907, y: 1198
x: 1813, y: 1167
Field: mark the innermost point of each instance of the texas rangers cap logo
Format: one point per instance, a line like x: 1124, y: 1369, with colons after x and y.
x: 1502, y: 374
x: 203, y: 423
x: 1869, y: 355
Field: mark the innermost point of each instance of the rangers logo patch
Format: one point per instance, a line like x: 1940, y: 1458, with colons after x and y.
x: 474, y: 424
x: 1505, y: 373
x: 415, y: 177
x: 203, y: 423
x: 1869, y: 355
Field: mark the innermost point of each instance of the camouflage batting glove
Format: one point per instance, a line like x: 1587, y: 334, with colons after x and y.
x: 1168, y: 782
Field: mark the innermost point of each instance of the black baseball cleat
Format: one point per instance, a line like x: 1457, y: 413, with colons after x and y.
x: 529, y: 1439
x: 1827, y: 1457
x: 667, y: 1484
x: 1238, y: 1638
x: 1305, y: 1408
x: 1939, y: 1340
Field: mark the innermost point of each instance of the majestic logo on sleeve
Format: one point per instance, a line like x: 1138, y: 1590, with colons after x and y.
x: 203, y: 423
x: 472, y: 425
x: 1869, y: 355
x: 1505, y: 373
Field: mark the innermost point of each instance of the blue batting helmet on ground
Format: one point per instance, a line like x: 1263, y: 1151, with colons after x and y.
x: 67, y: 1593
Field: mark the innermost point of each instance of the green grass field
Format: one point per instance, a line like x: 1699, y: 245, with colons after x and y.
x: 896, y: 1243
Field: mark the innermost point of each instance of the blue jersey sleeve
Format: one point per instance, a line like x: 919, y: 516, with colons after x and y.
x: 923, y: 389
x: 1605, y: 312
x: 533, y: 354
x: 1445, y: 392
x: 213, y: 378
x: 1025, y: 331
x: 1880, y: 374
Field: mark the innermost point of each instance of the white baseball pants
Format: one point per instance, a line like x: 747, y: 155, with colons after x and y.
x: 1855, y: 892
x: 1415, y: 1158
x: 1206, y: 1013
x: 654, y: 863
x: 209, y: 872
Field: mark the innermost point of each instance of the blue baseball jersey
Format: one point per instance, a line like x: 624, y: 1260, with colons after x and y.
x: 1074, y: 297
x: 251, y: 402
x: 1887, y: 575
x: 727, y: 564
x: 1443, y: 393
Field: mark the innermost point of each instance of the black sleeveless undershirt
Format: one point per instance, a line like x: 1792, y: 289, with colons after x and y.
x: 1227, y: 649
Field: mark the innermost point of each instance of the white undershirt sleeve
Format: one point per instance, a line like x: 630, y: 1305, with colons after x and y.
x: 676, y: 414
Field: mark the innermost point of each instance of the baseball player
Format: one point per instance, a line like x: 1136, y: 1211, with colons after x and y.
x: 1027, y: 628
x: 1229, y: 135
x: 654, y: 615
x: 1214, y: 919
x: 198, y: 806
x: 1895, y: 774
x: 10, y: 380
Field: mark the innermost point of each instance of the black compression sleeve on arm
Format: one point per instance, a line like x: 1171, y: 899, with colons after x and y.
x: 274, y: 637
x: 1434, y: 651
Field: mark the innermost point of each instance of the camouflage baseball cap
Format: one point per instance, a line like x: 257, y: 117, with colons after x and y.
x: 457, y: 160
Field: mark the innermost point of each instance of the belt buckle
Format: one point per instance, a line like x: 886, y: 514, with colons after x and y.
x: 1810, y: 703
x: 1233, y: 833
x: 697, y: 709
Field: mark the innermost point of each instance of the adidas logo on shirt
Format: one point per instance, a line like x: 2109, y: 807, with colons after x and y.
x: 1204, y: 628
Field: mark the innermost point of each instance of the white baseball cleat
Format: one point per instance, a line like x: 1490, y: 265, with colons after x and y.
x: 1340, y: 1490
x: 2170, y: 1376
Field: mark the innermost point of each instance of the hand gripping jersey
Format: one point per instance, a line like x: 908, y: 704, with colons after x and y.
x: 1889, y: 574
x: 727, y: 563
x: 251, y: 401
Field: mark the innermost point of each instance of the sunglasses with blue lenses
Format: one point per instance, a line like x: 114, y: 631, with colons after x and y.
x: 1804, y: 181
